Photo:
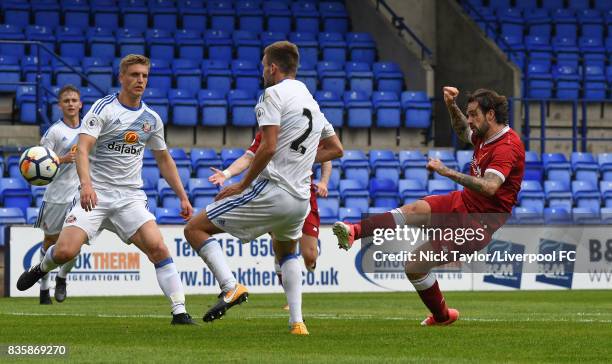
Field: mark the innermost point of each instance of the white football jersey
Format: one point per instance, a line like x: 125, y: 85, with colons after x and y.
x: 122, y: 133
x: 290, y: 105
x: 61, y: 138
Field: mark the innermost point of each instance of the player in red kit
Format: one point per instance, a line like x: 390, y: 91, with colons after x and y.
x: 491, y: 189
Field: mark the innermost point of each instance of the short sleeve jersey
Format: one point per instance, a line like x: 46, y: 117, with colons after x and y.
x: 62, y: 138
x: 290, y: 105
x: 504, y: 155
x: 122, y: 133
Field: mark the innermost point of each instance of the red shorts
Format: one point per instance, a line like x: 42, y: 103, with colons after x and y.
x: 449, y: 211
x: 313, y: 221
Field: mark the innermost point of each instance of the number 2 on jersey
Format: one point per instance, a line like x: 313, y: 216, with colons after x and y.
x: 296, y: 144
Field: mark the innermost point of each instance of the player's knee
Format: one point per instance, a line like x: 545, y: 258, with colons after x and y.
x: 63, y: 253
x: 190, y: 232
x: 310, y: 257
x: 158, y: 252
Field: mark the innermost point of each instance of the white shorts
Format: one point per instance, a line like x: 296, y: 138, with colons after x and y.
x: 122, y: 215
x: 51, y: 217
x: 264, y: 207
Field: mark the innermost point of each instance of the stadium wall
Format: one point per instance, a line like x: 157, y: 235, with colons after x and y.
x: 467, y: 59
x: 111, y: 268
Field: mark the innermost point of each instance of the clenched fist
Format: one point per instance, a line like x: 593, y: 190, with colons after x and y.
x: 450, y: 94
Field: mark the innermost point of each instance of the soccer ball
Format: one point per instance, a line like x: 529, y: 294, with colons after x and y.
x: 38, y: 165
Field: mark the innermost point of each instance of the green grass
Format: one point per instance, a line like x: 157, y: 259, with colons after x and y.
x: 560, y: 326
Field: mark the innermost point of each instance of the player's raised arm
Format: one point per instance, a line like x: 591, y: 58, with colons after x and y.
x: 168, y: 170
x: 89, y: 199
x: 458, y: 119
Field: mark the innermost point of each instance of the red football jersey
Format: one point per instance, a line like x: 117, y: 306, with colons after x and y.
x: 504, y: 155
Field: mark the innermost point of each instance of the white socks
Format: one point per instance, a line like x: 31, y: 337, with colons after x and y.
x: 44, y: 281
x: 66, y: 268
x: 292, y: 284
x: 48, y: 264
x: 213, y: 256
x: 170, y: 283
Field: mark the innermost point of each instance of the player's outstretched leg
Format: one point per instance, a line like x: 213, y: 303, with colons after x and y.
x: 60, y: 280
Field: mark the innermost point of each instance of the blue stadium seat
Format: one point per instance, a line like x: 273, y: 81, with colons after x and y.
x: 308, y: 45
x: 349, y: 214
x: 354, y: 158
x: 12, y: 166
x: 246, y: 75
x: 105, y: 15
x: 327, y: 216
x: 161, y: 74
x: 539, y: 80
x: 71, y: 42
x: 387, y: 108
x: 157, y: 100
x: 32, y: 215
x: 334, y: 178
x: 9, y: 72
x: 531, y: 195
x: 567, y: 82
x: 270, y: 37
x: 331, y: 77
x: 384, y: 192
x: 354, y: 194
x: 565, y: 22
x: 38, y: 193
x: 219, y: 45
x: 413, y: 164
x: 417, y: 108
x: 12, y: 32
x: 605, y: 187
x: 557, y: 215
x: 202, y: 159
x: 528, y: 215
x: 606, y: 215
x: 164, y: 14
x: 331, y: 106
x: 362, y: 48
x: 214, y: 107
x: 16, y: 13
x: 440, y: 186
x: 187, y: 74
x: 184, y: 107
x: 15, y: 192
x: 605, y: 166
x: 130, y: 41
x: 334, y: 17
x: 137, y: 16
x: 221, y: 13
x: 89, y: 95
x: 166, y: 216
x: 46, y: 14
x: 585, y: 216
x: 247, y: 45
x: 160, y: 43
x: 150, y: 173
x: 10, y: 215
x: 29, y: 69
x: 539, y: 48
x: 250, y: 16
x: 586, y: 195
x: 556, y: 167
x: 190, y: 44
x: 445, y: 155
x: 192, y: 17
x: 603, y: 5
x: 98, y: 71
x: 594, y: 83
x: 229, y: 155
x: 411, y: 190
x: 585, y: 167
x: 167, y: 196
x: 389, y: 77
x: 278, y: 17
x: 200, y: 191
x: 306, y: 16
x: 330, y: 203
x: 241, y: 104
x: 333, y: 47
x: 360, y: 76
x: 359, y: 109
x: 558, y: 194
x: 101, y: 42
x: 183, y: 163
x: 464, y: 159
x: 76, y: 13
x: 578, y: 4
x: 308, y: 75
x: 533, y: 166
x: 217, y: 75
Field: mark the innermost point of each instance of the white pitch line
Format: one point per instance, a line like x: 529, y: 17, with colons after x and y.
x: 321, y: 316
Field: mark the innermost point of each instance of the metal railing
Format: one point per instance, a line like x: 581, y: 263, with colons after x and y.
x: 400, y: 25
x: 40, y: 88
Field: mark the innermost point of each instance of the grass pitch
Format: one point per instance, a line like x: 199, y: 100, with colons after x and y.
x: 559, y: 326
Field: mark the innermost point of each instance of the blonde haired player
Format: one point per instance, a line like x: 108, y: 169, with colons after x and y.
x: 117, y: 129
x: 61, y: 138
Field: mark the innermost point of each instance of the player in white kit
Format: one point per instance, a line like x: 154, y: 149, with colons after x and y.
x: 117, y: 129
x: 274, y: 194
x: 61, y: 138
